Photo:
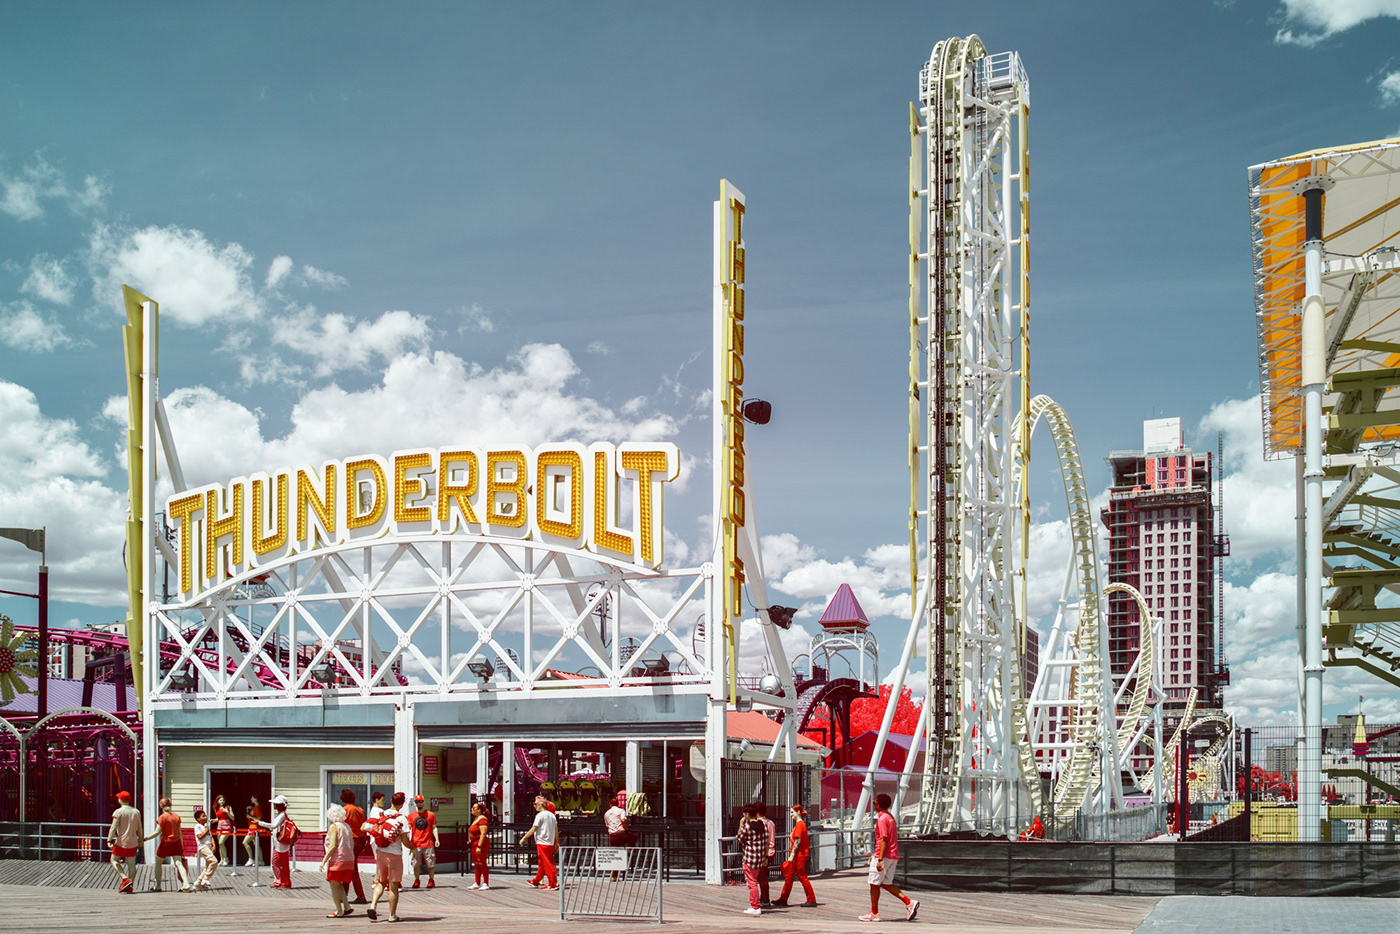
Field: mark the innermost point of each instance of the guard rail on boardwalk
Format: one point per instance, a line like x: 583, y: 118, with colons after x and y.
x: 1151, y: 868
x: 618, y: 883
x: 45, y: 840
x: 682, y: 845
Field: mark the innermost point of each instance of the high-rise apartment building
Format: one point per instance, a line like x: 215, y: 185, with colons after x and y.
x: 1163, y: 538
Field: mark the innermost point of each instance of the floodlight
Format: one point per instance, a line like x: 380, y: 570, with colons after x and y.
x: 656, y: 666
x: 756, y: 411
x: 183, y: 680
x: 324, y: 673
x: 781, y: 616
x: 482, y: 668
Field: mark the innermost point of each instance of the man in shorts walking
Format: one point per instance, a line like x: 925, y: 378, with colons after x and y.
x: 125, y: 838
x: 425, y: 840
x: 388, y: 857
x: 883, y: 861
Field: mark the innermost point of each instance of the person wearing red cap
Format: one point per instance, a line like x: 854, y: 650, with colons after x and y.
x: 388, y: 857
x: 125, y: 838
x: 424, y: 835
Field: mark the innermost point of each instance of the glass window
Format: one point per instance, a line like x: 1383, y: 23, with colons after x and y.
x: 363, y: 784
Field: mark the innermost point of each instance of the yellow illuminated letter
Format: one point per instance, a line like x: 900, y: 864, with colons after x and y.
x: 459, y: 493
x: 496, y: 486
x: 180, y: 510
x: 216, y: 526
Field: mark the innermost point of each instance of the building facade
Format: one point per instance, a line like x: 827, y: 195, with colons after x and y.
x: 1163, y: 539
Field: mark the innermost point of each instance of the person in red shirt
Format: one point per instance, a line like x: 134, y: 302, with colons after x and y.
x: 795, y: 868
x: 479, y: 835
x: 355, y: 818
x: 883, y: 860
x: 172, y: 845
x: 424, y: 834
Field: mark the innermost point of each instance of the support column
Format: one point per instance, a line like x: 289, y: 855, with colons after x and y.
x: 405, y: 748
x: 507, y: 782
x: 483, y: 773
x: 634, y: 766
x: 716, y: 741
x: 150, y: 638
x: 1314, y: 377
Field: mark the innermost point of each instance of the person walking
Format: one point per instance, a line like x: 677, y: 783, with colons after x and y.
x: 753, y: 847
x: 389, y: 836
x: 204, y: 848
x: 615, y: 821
x: 545, y: 832
x: 355, y: 818
x: 254, y: 814
x: 281, y: 852
x: 772, y: 830
x: 124, y: 837
x: 883, y: 860
x: 171, y: 846
x: 223, y: 830
x: 795, y: 867
x: 339, y: 862
x: 478, y: 834
x: 425, y: 840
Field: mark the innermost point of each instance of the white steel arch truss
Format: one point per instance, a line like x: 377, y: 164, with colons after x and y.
x: 411, y: 616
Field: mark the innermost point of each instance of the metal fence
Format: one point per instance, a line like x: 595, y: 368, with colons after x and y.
x: 1151, y: 868
x: 682, y: 845
x: 618, y: 883
x: 45, y: 840
x: 1125, y: 826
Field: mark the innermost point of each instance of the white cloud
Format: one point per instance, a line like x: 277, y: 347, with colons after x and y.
x: 48, y: 279
x: 880, y: 579
x: 24, y: 328
x: 195, y: 281
x: 1308, y: 22
x: 277, y: 271
x: 50, y: 478
x: 600, y: 348
x: 1260, y: 500
x: 1390, y: 88
x: 337, y: 343
x: 323, y: 279
x: 420, y: 399
x: 22, y: 195
x: 475, y: 317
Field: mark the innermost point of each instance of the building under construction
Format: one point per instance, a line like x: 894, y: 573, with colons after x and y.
x: 1164, y: 538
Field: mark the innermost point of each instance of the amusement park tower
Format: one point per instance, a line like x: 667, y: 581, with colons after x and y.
x: 1164, y: 538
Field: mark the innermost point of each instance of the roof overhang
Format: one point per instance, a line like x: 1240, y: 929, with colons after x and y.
x: 1360, y: 279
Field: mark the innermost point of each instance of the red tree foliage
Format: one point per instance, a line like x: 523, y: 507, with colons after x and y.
x: 867, y: 713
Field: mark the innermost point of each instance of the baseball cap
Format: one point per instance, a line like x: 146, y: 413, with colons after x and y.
x: 417, y: 798
x: 123, y: 796
x: 280, y: 799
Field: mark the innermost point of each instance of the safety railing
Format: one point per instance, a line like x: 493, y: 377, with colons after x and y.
x: 47, y: 840
x: 682, y: 845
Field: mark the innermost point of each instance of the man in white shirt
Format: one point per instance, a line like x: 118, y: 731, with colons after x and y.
x: 388, y: 858
x: 125, y: 838
x: 545, y: 831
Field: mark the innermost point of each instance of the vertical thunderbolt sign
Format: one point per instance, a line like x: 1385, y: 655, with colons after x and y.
x: 728, y: 414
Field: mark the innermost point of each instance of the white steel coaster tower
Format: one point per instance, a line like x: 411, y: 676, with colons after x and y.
x: 969, y: 350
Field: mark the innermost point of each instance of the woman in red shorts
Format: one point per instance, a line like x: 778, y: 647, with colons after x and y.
x: 223, y: 829
x: 339, y: 861
x: 480, y: 839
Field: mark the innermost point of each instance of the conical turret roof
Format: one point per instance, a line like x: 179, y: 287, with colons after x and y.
x: 844, y: 611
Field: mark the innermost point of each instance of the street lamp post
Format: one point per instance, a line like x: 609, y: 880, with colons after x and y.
x: 33, y: 539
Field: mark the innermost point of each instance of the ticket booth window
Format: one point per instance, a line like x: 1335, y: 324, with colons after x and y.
x: 363, y: 784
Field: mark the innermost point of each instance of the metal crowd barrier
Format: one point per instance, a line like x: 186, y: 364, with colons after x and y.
x: 53, y: 840
x: 618, y: 883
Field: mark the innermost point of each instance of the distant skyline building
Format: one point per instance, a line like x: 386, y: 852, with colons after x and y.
x: 1164, y: 539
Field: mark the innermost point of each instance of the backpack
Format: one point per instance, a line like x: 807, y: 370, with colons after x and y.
x: 289, y: 834
x: 383, y: 830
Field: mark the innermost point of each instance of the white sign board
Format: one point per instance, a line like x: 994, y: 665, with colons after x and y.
x: 610, y: 859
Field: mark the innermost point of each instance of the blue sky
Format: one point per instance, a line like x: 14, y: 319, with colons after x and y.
x: 336, y: 203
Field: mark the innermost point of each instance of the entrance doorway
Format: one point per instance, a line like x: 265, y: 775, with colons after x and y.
x: 241, y: 788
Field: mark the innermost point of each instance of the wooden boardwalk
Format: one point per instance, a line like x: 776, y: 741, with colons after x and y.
x: 67, y: 898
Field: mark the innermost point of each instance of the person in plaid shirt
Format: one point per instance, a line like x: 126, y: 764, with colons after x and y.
x: 753, y: 844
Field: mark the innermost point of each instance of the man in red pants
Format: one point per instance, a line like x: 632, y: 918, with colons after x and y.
x: 355, y: 817
x: 545, y: 831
